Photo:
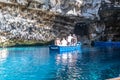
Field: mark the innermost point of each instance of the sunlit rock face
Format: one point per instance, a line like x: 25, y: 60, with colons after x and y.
x: 84, y: 8
x: 28, y: 25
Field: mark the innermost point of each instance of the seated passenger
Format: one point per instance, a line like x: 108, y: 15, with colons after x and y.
x: 69, y: 39
x: 74, y: 40
x: 63, y: 42
x: 57, y: 42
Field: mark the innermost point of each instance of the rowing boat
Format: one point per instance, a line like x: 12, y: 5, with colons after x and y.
x: 65, y: 48
x: 112, y: 44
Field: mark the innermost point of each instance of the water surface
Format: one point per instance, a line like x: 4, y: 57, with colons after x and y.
x: 36, y: 63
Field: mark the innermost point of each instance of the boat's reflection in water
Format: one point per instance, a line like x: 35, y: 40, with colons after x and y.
x: 67, y: 64
x: 65, y: 58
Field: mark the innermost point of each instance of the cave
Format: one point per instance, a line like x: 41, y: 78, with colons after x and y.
x: 81, y: 30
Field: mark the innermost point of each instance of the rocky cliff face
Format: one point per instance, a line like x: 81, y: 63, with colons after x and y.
x: 19, y: 24
x: 110, y: 15
x: 37, y: 21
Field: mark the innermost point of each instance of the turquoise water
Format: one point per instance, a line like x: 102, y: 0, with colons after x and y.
x: 36, y: 63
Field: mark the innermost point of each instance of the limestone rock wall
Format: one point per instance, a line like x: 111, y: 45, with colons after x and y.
x: 25, y: 24
x: 84, y: 8
x: 43, y: 20
x: 19, y: 23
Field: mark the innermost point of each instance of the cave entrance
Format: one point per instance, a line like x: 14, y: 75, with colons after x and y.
x: 81, y: 29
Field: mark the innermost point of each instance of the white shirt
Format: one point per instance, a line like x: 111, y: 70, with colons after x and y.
x: 63, y: 42
x: 69, y: 38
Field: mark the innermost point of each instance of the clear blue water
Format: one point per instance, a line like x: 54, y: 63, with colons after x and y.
x: 36, y: 63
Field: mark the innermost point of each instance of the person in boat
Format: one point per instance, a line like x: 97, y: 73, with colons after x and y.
x: 74, y: 40
x: 63, y: 42
x: 57, y: 42
x: 69, y: 39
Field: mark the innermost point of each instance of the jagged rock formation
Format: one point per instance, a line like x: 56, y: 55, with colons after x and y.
x: 110, y: 15
x: 43, y: 20
x: 22, y: 24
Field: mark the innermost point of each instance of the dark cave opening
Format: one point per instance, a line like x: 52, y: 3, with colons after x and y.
x: 81, y: 30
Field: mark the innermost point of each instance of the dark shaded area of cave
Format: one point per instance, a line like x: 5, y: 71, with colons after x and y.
x: 81, y: 29
x: 110, y: 15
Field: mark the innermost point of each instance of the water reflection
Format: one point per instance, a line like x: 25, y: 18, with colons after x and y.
x: 91, y: 64
x: 35, y: 55
x: 68, y: 68
x: 3, y: 54
x: 66, y: 58
x: 24, y: 63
